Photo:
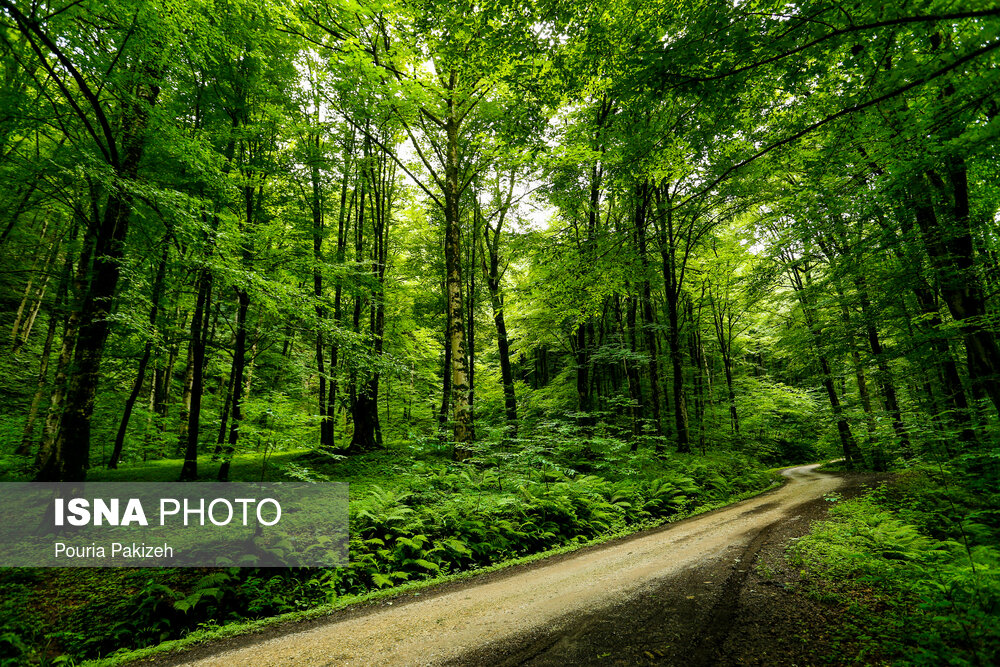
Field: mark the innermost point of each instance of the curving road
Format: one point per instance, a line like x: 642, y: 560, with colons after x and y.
x: 589, y: 606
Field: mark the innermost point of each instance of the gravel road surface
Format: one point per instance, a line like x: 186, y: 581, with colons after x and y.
x: 666, y: 596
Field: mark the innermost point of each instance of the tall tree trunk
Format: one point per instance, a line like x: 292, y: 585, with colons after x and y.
x: 878, y: 455
x: 443, y: 411
x: 33, y: 297
x: 56, y: 313
x: 490, y: 261
x: 852, y: 453
x: 182, y: 417
x: 71, y: 328
x: 343, y: 223
x: 364, y: 395
x: 227, y: 402
x: 672, y: 284
x: 239, y: 369
x: 648, y: 321
x: 70, y: 455
x: 461, y: 408
x: 632, y: 370
x: 472, y: 320
x: 951, y: 249
x: 677, y: 373
x: 930, y: 326
x: 885, y: 380
x: 316, y: 206
x: 723, y: 324
x: 199, y: 343
x: 581, y: 354
x: 140, y: 374
x: 367, y: 426
x: 694, y: 350
x: 503, y: 342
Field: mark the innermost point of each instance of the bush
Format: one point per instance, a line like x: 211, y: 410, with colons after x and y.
x: 924, y: 581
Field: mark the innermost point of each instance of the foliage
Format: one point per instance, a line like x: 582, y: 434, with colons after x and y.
x: 430, y: 520
x: 918, y: 567
x: 558, y: 241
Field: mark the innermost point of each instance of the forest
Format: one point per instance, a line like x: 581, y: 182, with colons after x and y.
x: 526, y: 274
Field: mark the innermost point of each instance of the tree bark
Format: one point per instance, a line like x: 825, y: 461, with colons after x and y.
x: 199, y: 342
x: 461, y: 408
x: 70, y: 455
x: 140, y: 374
x: 316, y: 208
x: 343, y: 223
x: 55, y: 311
x: 951, y: 249
x: 239, y: 368
x: 852, y: 453
x: 885, y: 379
x: 494, y: 288
x: 648, y: 321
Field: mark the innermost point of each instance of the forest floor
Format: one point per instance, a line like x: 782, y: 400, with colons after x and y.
x: 712, y: 589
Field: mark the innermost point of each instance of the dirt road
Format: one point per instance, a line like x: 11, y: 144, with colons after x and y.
x: 668, y: 596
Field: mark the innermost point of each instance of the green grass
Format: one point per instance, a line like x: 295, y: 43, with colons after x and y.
x: 244, y: 468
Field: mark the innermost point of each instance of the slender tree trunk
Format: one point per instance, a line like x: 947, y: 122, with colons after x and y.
x: 852, y: 453
x: 199, y: 343
x: 472, y: 322
x: 343, y: 223
x: 884, y: 378
x: 694, y: 348
x: 364, y: 393
x: 239, y: 370
x: 55, y: 314
x: 930, y: 326
x: 677, y: 370
x: 316, y: 206
x: 22, y: 205
x: 227, y: 403
x: 672, y: 290
x: 493, y: 286
x: 200, y: 330
x: 443, y: 411
x: 182, y: 417
x: 648, y: 322
x: 140, y: 374
x: 878, y: 455
x: 954, y: 393
x: 581, y: 353
x: 632, y: 374
x: 723, y: 324
x: 32, y: 300
x: 71, y: 327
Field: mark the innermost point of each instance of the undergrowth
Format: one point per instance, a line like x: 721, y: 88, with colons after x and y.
x: 916, y: 566
x: 412, y: 521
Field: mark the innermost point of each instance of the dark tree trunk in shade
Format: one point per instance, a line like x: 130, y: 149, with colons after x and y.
x: 69, y: 457
x: 648, y: 320
x: 884, y: 378
x: 951, y: 249
x: 56, y: 314
x: 140, y: 374
x: 852, y: 453
x: 491, y: 269
x: 199, y: 343
x: 239, y: 371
